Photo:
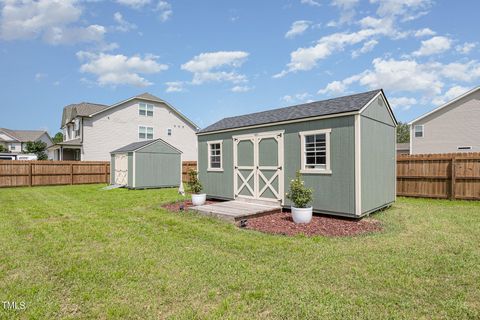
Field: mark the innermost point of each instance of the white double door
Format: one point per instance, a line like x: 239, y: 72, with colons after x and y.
x: 258, y: 166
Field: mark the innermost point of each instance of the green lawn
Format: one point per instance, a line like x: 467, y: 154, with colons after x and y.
x: 79, y: 252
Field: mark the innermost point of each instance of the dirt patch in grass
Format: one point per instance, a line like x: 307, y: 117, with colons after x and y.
x: 282, y: 223
x: 182, y: 205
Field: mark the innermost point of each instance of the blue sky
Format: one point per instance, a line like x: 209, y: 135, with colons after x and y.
x: 213, y: 59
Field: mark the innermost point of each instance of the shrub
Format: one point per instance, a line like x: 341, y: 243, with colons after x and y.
x: 194, y: 185
x: 300, y: 195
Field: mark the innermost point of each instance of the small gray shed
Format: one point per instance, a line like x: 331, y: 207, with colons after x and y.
x: 146, y: 164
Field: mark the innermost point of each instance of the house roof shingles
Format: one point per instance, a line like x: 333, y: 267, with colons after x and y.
x: 24, y: 135
x: 313, y: 109
x: 83, y: 109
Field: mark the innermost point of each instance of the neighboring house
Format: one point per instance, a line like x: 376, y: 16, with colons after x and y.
x: 344, y: 148
x: 452, y: 127
x: 403, y: 148
x: 91, y: 131
x: 15, y: 141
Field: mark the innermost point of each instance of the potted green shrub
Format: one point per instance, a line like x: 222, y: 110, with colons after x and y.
x: 195, y: 187
x: 301, y: 196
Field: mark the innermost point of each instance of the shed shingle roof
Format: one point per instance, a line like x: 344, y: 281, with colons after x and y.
x: 339, y: 105
x: 137, y: 145
x: 24, y: 135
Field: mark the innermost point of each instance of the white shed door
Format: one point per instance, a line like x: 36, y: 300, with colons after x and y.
x: 121, y: 169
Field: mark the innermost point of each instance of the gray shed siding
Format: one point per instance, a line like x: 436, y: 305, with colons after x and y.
x: 378, y: 167
x: 333, y: 193
x: 112, y: 169
x: 130, y: 170
x: 157, y: 165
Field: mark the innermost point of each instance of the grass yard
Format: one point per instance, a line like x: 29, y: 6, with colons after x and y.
x: 78, y: 252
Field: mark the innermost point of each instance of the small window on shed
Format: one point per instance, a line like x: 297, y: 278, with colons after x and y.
x: 315, y: 147
x: 215, y: 156
x: 418, y: 131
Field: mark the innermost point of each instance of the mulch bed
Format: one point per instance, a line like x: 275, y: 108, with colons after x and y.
x: 177, y: 206
x: 282, y: 223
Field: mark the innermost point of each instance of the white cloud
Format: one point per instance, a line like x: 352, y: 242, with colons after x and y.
x: 175, y: 86
x: 424, y: 32
x: 123, y: 25
x: 297, y: 28
x: 134, y: 3
x: 50, y: 20
x: 297, y: 98
x: 335, y: 87
x: 311, y: 3
x: 459, y: 71
x: 403, y: 103
x: 405, y: 9
x: 450, y: 94
x: 39, y: 76
x: 165, y: 10
x: 367, y: 47
x: 466, y: 47
x: 119, y: 69
x: 240, y: 89
x: 347, y: 10
x: 434, y: 45
x: 206, y: 66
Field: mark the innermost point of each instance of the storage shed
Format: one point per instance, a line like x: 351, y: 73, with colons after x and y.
x: 344, y: 148
x: 146, y: 164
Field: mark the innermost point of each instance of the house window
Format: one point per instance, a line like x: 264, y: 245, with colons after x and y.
x: 169, y: 132
x: 145, y: 133
x: 315, y: 156
x: 145, y: 109
x: 418, y: 131
x: 12, y: 147
x: 215, y: 156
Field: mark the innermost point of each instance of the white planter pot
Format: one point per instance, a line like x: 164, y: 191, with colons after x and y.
x: 199, y: 199
x: 302, y: 215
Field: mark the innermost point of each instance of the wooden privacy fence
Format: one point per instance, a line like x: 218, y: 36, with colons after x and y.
x: 186, y: 166
x: 449, y: 176
x: 45, y: 173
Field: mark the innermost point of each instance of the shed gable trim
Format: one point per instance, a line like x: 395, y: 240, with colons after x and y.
x: 387, y: 106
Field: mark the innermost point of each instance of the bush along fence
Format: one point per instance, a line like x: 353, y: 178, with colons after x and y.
x: 46, y: 173
x: 448, y: 176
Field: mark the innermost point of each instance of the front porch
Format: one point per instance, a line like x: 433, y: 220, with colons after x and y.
x: 66, y: 151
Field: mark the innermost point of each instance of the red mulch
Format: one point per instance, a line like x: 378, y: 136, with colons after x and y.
x: 282, y: 223
x: 175, y: 206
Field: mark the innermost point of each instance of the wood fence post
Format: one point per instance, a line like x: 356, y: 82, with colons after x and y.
x: 106, y: 175
x: 453, y: 178
x: 71, y: 173
x: 30, y: 174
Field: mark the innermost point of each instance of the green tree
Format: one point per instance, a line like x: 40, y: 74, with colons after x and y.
x: 403, y: 133
x: 38, y: 148
x: 2, y: 148
x: 58, y: 137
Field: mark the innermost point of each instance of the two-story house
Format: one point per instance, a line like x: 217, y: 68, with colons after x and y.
x: 92, y: 130
x: 15, y: 141
x: 452, y: 127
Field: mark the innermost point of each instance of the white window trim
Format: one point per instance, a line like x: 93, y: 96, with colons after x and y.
x: 145, y: 139
x: 209, y: 143
x: 415, y: 130
x: 327, y: 169
x: 146, y: 109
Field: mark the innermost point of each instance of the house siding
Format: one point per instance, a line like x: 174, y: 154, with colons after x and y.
x: 333, y: 193
x: 378, y: 168
x: 448, y: 128
x: 118, y: 126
